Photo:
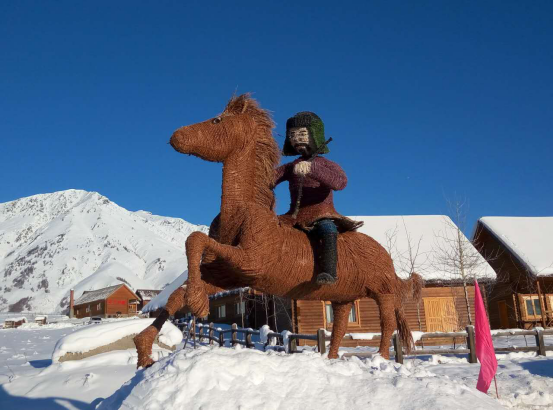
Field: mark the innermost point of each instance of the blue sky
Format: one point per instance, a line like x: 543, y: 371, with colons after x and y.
x: 423, y: 99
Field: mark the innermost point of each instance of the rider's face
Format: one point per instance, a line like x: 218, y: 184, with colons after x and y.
x: 301, y: 140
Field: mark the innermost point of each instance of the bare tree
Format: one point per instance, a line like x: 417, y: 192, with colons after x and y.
x: 454, y: 254
x: 407, y: 260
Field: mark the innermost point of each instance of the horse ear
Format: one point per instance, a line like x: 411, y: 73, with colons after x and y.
x: 238, y: 104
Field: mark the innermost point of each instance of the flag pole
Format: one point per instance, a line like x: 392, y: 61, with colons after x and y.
x: 496, y: 392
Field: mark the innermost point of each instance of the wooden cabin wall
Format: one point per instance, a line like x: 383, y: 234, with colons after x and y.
x: 309, y: 315
x: 118, y: 301
x: 512, y: 279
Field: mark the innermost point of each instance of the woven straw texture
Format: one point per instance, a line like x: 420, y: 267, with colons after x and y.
x: 249, y: 246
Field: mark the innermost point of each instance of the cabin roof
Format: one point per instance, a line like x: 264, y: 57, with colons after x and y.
x: 89, y: 296
x: 527, y: 238
x: 432, y: 235
x: 147, y: 294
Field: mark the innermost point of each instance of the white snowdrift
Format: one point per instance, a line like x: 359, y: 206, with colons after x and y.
x: 215, y: 378
x: 92, y: 337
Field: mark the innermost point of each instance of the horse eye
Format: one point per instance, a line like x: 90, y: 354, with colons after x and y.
x: 216, y: 120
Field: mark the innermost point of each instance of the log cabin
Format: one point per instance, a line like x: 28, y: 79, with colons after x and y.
x: 13, y: 323
x: 428, y: 245
x: 523, y: 260
x: 113, y: 301
x: 249, y: 308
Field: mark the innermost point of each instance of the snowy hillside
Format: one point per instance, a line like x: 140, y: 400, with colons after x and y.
x: 51, y: 243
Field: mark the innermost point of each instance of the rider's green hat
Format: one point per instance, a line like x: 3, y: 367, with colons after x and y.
x: 314, y: 125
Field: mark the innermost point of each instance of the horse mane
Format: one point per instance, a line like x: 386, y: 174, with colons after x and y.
x: 267, y: 153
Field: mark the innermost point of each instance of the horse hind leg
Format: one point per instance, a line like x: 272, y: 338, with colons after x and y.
x: 341, y: 314
x: 386, y: 305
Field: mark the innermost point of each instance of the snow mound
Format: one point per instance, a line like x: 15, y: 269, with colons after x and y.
x: 95, y: 336
x: 216, y: 378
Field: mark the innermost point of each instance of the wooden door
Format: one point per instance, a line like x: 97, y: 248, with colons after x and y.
x: 503, y: 315
x: 441, y: 315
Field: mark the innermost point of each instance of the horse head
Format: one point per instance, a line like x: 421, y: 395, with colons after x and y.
x: 235, y: 130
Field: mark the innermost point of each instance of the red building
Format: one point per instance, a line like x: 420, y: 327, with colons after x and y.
x: 113, y: 301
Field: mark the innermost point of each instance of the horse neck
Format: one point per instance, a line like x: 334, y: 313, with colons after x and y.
x: 238, y: 191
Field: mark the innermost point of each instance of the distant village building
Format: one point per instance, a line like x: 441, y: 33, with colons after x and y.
x: 249, y: 308
x: 523, y: 294
x: 145, y: 296
x: 113, y: 301
x: 14, y: 322
x: 41, y: 320
x: 426, y: 243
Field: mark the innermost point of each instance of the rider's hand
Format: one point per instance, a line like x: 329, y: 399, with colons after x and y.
x: 302, y: 168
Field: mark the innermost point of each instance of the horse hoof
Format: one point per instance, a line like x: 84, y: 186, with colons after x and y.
x: 144, y: 362
x: 144, y: 342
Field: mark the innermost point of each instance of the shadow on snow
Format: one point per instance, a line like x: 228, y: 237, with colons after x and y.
x: 10, y: 402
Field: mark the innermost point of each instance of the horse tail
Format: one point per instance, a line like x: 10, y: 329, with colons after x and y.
x: 412, y: 288
x: 403, y: 329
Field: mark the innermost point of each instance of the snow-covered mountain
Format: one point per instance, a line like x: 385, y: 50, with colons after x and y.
x: 76, y: 239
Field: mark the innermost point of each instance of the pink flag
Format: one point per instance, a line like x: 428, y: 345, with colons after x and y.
x: 484, y: 345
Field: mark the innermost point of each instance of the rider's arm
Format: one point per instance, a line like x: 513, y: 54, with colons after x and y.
x: 328, y: 173
x: 281, y: 174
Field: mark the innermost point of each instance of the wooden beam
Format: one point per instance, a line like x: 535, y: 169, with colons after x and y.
x: 542, y: 307
x: 515, y: 305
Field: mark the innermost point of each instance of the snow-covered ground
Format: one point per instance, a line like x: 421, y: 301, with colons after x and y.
x: 226, y: 378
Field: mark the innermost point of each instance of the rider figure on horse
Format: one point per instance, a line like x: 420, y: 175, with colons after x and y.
x: 312, y: 179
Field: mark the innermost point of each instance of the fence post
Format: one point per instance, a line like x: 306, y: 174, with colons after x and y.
x: 471, y: 344
x: 249, y: 342
x: 398, y: 348
x: 539, y: 342
x: 194, y: 330
x: 233, y: 337
x: 292, y: 345
x: 321, y: 341
x: 211, y: 333
x: 221, y: 339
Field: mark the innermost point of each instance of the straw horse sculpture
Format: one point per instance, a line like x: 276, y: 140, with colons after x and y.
x: 249, y: 246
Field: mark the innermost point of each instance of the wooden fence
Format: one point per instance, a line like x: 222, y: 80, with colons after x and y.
x: 208, y: 332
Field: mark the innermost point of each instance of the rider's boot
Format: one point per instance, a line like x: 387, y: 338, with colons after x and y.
x: 329, y: 255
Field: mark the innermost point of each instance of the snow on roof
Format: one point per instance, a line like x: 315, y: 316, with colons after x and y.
x: 16, y: 319
x: 224, y: 293
x: 433, y: 235
x: 161, y: 300
x: 147, y: 294
x: 94, y: 336
x: 530, y: 239
x: 95, y: 295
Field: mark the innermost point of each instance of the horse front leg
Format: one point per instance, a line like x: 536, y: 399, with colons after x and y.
x: 197, y: 245
x: 341, y: 315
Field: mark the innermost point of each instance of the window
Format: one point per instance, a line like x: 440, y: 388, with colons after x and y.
x: 240, y: 308
x: 87, y: 309
x: 353, y: 313
x: 531, y: 307
x: 221, y: 311
x: 99, y: 306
